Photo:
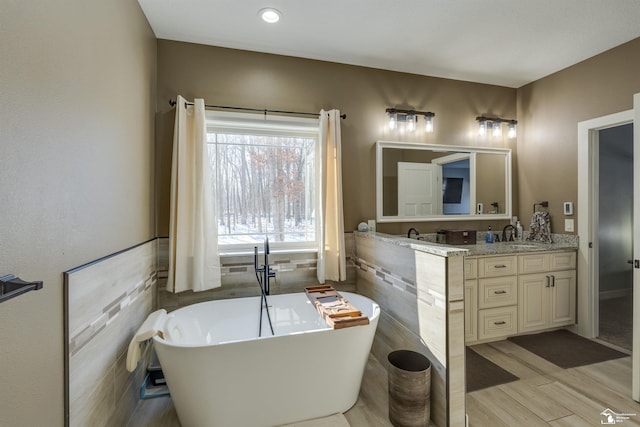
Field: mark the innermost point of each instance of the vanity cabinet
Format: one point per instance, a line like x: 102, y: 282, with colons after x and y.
x: 547, y: 292
x: 510, y: 294
x: 497, y: 296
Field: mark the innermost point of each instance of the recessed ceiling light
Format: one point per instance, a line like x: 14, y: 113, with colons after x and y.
x: 269, y: 15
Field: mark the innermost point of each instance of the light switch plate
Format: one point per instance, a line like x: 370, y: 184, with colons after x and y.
x: 568, y: 225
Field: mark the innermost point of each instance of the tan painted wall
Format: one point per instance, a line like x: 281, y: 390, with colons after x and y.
x: 247, y: 79
x: 77, y: 81
x: 548, y: 114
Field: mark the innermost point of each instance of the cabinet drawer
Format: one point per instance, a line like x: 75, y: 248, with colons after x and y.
x: 497, y: 291
x: 497, y: 322
x: 497, y: 266
x: 562, y: 261
x: 533, y: 263
x: 470, y: 268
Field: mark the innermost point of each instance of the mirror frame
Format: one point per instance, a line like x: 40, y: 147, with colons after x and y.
x: 380, y: 145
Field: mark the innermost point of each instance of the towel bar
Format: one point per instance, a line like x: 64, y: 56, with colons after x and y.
x: 11, y: 286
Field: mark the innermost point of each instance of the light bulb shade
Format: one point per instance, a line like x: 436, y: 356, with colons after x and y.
x: 497, y: 128
x: 512, y: 130
x: 411, y: 122
x: 393, y: 120
x: 428, y: 123
x: 482, y: 127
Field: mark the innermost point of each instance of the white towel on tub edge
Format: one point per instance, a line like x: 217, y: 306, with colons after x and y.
x: 150, y: 327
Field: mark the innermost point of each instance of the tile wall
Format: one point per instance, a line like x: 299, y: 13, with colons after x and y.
x: 421, y: 298
x: 105, y: 303
x: 107, y: 300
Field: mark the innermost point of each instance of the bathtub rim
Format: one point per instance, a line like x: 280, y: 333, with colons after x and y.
x: 162, y: 341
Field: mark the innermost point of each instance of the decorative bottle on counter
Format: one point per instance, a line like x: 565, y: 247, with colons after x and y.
x: 519, y: 231
x: 488, y: 238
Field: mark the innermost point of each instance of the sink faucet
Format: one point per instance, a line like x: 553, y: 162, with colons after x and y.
x: 409, y: 233
x: 504, y: 233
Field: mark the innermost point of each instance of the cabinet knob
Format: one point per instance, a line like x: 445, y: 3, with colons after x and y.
x: 499, y: 292
x: 502, y: 322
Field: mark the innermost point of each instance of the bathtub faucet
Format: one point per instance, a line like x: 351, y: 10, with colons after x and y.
x: 263, y: 274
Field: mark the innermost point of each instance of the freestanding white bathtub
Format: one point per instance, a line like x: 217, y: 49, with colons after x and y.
x: 221, y: 374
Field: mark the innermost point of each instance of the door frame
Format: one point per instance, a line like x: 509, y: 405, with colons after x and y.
x: 588, y: 308
x: 445, y: 160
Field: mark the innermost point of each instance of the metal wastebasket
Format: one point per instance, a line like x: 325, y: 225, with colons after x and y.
x: 409, y: 389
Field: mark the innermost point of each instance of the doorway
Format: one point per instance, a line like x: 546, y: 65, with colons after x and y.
x: 615, y: 235
x: 588, y: 230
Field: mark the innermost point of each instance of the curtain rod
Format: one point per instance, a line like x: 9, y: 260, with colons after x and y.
x: 265, y: 111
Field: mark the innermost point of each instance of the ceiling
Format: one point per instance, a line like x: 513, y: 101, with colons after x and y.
x: 502, y: 42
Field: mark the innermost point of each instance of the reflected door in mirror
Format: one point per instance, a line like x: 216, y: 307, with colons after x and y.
x: 418, y: 189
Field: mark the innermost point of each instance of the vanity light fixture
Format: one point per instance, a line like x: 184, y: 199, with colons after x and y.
x: 393, y: 118
x: 496, y: 126
x: 408, y: 119
x: 269, y: 15
x: 482, y: 127
x: 511, y: 133
x: 411, y: 122
x: 428, y: 122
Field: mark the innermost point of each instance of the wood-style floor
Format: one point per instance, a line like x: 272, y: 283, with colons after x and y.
x: 545, y: 395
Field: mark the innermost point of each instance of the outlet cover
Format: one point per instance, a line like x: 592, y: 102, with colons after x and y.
x: 568, y: 225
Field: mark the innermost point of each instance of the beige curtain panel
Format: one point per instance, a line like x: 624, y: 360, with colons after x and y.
x: 194, y: 260
x: 331, y: 246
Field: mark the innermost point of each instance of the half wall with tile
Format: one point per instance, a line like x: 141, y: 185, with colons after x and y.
x: 421, y: 296
x: 106, y: 301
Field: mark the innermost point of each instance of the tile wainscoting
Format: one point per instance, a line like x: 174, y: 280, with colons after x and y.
x: 106, y: 301
x: 422, y: 303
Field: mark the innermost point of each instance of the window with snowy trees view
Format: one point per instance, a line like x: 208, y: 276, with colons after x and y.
x: 265, y: 178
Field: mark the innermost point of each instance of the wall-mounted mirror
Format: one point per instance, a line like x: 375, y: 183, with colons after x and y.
x: 427, y: 182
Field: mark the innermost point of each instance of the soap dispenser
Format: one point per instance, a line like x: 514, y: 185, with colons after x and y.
x: 488, y: 238
x: 519, y: 231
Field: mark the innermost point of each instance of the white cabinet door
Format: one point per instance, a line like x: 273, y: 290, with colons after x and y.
x: 533, y: 302
x: 563, y: 298
x: 546, y: 300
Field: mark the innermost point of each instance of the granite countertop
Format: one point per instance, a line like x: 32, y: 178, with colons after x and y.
x: 427, y: 244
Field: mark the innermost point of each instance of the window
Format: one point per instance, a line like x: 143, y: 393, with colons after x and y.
x: 265, y: 172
